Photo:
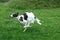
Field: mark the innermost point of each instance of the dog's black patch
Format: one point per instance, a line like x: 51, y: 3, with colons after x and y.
x: 15, y: 15
x: 25, y: 16
x: 21, y: 18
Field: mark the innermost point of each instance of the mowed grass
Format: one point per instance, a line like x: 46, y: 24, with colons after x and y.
x: 11, y: 29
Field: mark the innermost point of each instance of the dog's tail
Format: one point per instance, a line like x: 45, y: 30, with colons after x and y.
x: 38, y: 21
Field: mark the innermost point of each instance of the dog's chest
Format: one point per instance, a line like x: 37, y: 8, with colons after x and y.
x: 23, y: 17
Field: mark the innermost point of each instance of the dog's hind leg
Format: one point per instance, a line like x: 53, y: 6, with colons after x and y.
x: 38, y: 21
x: 25, y: 29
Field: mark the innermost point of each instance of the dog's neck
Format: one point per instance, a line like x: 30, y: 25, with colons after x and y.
x: 18, y: 17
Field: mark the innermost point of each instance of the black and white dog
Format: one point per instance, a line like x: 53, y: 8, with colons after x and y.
x: 27, y: 18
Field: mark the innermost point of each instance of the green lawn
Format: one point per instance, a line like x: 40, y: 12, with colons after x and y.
x: 11, y: 29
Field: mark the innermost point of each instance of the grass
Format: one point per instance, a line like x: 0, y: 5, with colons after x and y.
x: 11, y: 29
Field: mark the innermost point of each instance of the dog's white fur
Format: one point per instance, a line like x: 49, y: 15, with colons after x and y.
x: 31, y: 19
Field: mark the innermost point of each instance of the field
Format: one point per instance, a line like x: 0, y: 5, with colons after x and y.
x: 11, y: 29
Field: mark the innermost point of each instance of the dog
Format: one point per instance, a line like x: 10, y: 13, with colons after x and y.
x: 27, y: 18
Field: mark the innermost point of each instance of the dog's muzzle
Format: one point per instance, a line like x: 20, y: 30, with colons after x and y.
x: 11, y: 16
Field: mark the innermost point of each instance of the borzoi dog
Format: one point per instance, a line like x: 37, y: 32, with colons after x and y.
x: 27, y: 18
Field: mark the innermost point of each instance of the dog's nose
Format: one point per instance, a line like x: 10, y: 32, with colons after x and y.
x: 11, y: 16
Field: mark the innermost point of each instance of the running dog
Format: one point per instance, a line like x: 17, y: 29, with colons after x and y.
x: 27, y: 18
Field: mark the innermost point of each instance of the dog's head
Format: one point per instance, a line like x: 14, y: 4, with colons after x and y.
x: 14, y: 14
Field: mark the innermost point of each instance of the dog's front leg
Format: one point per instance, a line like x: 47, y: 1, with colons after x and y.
x: 25, y: 27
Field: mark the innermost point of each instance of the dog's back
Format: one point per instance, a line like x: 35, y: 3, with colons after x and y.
x: 31, y: 17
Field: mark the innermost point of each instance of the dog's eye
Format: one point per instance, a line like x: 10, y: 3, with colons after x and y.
x: 15, y: 15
